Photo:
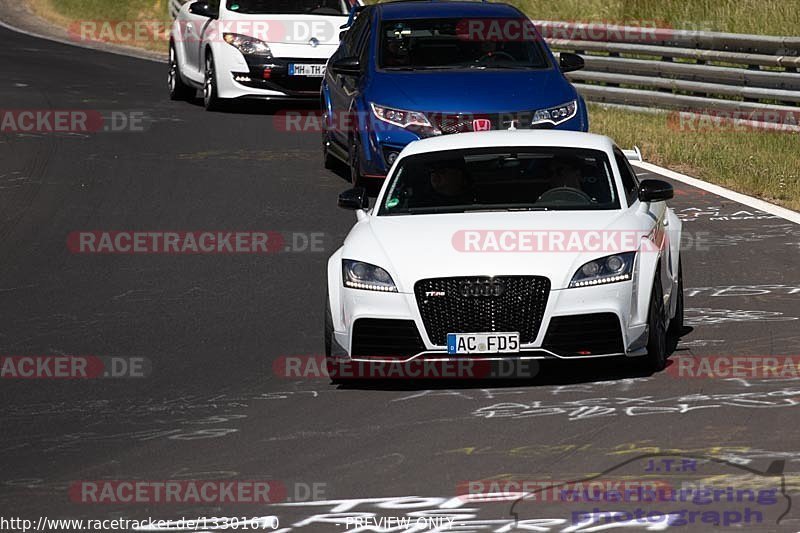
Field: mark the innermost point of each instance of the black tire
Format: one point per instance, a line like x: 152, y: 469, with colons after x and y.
x: 178, y: 89
x: 676, y: 324
x: 211, y: 100
x: 330, y: 162
x: 656, y: 358
x: 355, y: 166
x: 328, y: 328
x: 330, y: 363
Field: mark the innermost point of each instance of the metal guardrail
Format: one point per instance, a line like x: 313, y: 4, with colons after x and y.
x: 174, y: 7
x: 677, y: 69
x: 732, y: 42
x: 706, y: 72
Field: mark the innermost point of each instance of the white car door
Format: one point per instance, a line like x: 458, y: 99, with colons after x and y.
x: 194, y: 21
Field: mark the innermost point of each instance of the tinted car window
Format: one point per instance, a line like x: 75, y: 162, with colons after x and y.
x: 354, y: 35
x: 501, y: 179
x: 449, y: 43
x: 291, y: 7
x: 629, y: 181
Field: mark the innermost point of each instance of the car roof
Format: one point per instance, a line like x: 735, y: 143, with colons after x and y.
x: 409, y: 9
x: 516, y: 138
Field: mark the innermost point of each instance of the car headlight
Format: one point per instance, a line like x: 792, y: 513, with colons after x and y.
x: 611, y: 269
x: 555, y: 115
x: 248, y: 45
x: 402, y: 118
x: 358, y: 275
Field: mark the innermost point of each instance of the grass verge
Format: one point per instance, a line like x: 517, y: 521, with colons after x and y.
x: 758, y: 163
x: 68, y: 13
x: 762, y: 17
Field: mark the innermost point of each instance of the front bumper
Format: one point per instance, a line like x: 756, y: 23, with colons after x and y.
x: 599, y: 307
x: 382, y: 139
x: 240, y: 77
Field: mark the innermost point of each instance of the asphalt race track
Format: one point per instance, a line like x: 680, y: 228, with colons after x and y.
x: 211, y: 327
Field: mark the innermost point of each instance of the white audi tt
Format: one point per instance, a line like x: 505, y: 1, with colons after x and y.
x: 263, y: 49
x: 507, y: 245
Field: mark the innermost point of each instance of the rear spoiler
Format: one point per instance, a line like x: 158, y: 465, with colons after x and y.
x: 633, y: 155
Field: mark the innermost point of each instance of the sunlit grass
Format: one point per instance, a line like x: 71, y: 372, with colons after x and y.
x: 768, y: 17
x: 67, y: 13
x: 763, y: 164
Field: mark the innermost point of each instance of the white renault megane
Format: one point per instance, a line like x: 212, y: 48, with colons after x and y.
x: 512, y: 244
x: 263, y: 49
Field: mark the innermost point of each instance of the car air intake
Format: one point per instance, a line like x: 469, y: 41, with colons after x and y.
x: 386, y: 339
x: 583, y: 335
x: 482, y: 305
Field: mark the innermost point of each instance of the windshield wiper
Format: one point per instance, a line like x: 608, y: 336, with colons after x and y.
x: 440, y: 209
x: 474, y: 208
x: 507, y: 207
x: 443, y: 67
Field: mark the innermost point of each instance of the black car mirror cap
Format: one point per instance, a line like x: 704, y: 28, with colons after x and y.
x: 347, y: 66
x: 202, y: 9
x: 569, y: 62
x: 655, y: 191
x: 354, y: 199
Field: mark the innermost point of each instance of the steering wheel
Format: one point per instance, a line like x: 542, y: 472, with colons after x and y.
x: 566, y: 195
x: 494, y: 55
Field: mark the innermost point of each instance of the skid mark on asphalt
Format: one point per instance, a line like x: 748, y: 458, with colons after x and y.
x: 248, y: 155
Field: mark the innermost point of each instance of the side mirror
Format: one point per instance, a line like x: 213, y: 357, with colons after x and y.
x: 354, y: 199
x: 347, y: 66
x: 202, y: 9
x: 569, y: 62
x: 655, y: 191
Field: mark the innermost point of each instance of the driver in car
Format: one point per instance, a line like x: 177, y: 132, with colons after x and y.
x: 449, y: 181
x: 565, y: 173
x: 566, y: 181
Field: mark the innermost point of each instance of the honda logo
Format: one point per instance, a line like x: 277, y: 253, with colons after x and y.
x: 481, y: 124
x: 481, y: 288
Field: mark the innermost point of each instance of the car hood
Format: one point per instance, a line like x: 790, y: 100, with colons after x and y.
x: 417, y: 247
x: 286, y: 29
x: 473, y: 91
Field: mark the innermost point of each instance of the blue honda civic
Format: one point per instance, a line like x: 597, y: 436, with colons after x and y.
x: 409, y: 69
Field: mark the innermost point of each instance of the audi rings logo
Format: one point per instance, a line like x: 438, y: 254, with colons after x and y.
x: 481, y: 288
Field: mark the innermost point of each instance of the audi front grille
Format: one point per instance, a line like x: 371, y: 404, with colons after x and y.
x: 482, y: 304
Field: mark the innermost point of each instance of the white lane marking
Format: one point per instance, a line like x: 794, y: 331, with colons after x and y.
x: 749, y: 201
x: 125, y: 53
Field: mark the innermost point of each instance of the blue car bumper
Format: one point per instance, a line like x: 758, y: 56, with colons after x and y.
x: 381, y: 142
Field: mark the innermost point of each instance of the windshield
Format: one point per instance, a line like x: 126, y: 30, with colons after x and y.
x: 452, y: 43
x: 505, y: 179
x: 289, y: 7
